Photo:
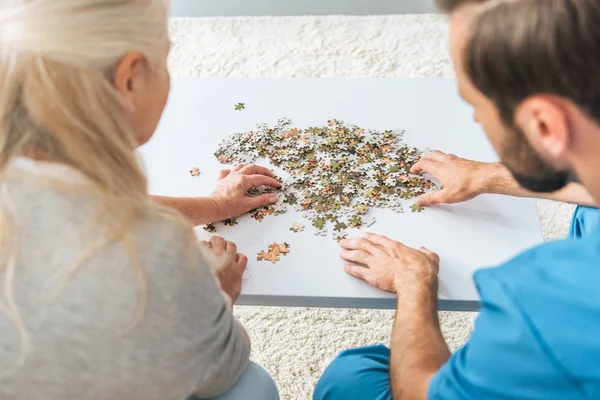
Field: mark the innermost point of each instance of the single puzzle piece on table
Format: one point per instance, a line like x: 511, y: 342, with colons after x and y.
x: 273, y: 252
x: 297, y: 227
x: 195, y: 172
x: 240, y: 106
x: 210, y: 228
x: 368, y: 221
x: 339, y: 235
x: 336, y: 173
x: 230, y: 222
x: 416, y: 208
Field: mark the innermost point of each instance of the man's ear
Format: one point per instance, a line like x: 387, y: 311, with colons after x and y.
x: 544, y: 120
x: 127, y: 76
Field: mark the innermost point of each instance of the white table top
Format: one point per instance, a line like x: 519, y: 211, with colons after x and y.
x: 480, y: 233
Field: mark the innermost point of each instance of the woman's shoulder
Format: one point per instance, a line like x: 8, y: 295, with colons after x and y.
x: 166, y: 234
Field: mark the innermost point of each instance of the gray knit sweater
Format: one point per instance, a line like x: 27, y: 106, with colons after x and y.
x: 188, y: 341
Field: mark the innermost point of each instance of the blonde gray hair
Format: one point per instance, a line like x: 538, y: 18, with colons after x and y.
x: 58, y: 103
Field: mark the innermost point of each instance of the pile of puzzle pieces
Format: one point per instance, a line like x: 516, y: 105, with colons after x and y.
x: 336, y: 172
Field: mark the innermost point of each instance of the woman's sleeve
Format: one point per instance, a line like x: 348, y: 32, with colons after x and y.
x: 207, y: 339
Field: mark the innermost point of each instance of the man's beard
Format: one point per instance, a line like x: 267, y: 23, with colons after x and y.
x: 546, y: 183
x: 540, y: 176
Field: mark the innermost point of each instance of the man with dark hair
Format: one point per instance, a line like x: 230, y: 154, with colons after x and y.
x: 528, y: 68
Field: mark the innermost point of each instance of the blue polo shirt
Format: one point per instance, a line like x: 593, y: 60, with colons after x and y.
x: 538, y: 332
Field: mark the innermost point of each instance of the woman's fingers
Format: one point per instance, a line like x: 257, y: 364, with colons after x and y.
x: 256, y: 180
x: 231, y: 248
x: 241, y: 259
x: 223, y: 173
x: 218, y: 244
x: 253, y: 169
x: 238, y: 167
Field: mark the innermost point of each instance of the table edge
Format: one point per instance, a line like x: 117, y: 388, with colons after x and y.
x: 345, y: 302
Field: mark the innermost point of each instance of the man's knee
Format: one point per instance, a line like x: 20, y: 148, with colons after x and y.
x: 356, y: 374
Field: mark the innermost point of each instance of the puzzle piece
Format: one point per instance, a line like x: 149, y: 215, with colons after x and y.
x: 273, y: 252
x: 230, y: 222
x: 296, y: 227
x: 210, y: 228
x: 195, y: 172
x: 416, y: 208
x: 337, y: 236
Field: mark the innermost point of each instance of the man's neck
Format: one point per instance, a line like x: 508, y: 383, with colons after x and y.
x: 585, y: 159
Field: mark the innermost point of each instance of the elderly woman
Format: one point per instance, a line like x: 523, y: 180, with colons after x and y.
x: 105, y: 293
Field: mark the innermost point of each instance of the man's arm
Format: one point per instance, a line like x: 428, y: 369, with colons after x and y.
x: 497, y: 179
x: 465, y: 179
x: 418, y: 347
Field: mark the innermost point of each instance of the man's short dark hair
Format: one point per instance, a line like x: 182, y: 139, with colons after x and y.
x: 449, y: 6
x: 518, y: 48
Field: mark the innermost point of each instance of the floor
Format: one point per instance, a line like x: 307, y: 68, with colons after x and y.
x: 219, y: 8
x: 296, y: 344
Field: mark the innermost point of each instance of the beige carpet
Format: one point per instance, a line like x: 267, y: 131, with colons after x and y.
x: 296, y: 344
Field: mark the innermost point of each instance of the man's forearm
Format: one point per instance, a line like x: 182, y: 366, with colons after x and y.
x: 497, y: 179
x: 418, y: 347
x: 198, y: 210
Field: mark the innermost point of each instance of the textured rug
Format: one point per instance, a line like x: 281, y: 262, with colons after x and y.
x: 296, y: 344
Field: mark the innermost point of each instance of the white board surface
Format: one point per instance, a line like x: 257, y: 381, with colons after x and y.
x: 483, y: 232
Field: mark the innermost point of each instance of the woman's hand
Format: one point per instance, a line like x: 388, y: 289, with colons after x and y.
x: 389, y: 265
x: 228, y: 264
x: 231, y: 194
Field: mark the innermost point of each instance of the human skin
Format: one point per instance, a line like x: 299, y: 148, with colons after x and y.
x: 558, y: 131
x: 464, y: 180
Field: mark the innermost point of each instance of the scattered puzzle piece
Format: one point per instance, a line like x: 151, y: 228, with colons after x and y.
x: 368, y: 221
x: 416, y: 208
x: 195, y: 172
x: 273, y: 253
x: 210, y: 228
x: 340, y: 235
x: 297, y: 227
x: 230, y: 222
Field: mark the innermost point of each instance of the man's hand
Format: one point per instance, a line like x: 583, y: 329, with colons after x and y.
x: 418, y: 347
x: 461, y: 179
x: 389, y: 265
x: 231, y: 196
x: 229, y: 266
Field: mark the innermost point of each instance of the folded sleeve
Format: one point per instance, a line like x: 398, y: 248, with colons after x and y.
x: 505, y: 358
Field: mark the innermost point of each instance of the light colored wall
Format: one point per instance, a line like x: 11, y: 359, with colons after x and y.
x: 205, y: 8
